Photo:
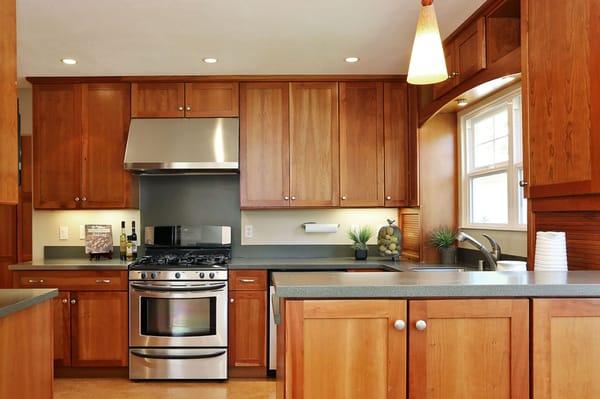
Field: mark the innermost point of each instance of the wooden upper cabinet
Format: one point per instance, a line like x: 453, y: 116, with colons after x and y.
x: 469, y: 50
x: 314, y: 144
x: 157, y: 100
x: 106, y: 115
x: 469, y: 349
x: 444, y: 87
x: 248, y: 329
x: 566, y: 348
x: 562, y: 102
x: 207, y: 99
x: 344, y: 349
x: 361, y: 144
x: 62, y: 329
x: 57, y: 157
x: 396, y: 144
x: 9, y: 185
x: 264, y: 145
x: 99, y: 328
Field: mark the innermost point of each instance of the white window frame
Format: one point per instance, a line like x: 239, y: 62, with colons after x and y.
x: 501, y: 99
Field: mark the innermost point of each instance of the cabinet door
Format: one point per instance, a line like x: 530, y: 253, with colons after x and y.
x: 396, y: 144
x: 99, y: 328
x: 62, y: 329
x: 57, y: 155
x: 211, y: 99
x: 345, y: 349
x: 157, y: 100
x: 105, y: 183
x: 561, y: 102
x: 248, y: 329
x: 25, y: 208
x: 264, y: 145
x: 469, y: 349
x: 9, y: 186
x: 314, y: 145
x: 444, y: 87
x: 361, y: 144
x: 566, y: 348
x: 470, y: 50
x: 8, y: 243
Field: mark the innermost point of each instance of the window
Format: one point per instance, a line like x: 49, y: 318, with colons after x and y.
x: 492, y: 164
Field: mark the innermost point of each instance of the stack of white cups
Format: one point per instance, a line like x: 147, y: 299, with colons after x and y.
x: 551, y: 251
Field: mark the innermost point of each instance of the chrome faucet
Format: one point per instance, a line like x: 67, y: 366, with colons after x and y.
x: 490, y: 257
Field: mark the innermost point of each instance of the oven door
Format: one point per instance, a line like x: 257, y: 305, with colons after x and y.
x: 177, y: 314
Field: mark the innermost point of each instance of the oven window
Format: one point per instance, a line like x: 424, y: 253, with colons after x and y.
x: 165, y: 317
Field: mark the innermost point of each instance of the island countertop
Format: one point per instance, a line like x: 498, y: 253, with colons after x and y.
x: 436, y: 284
x: 15, y: 300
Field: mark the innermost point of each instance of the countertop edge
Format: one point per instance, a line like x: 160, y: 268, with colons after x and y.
x: 44, y: 295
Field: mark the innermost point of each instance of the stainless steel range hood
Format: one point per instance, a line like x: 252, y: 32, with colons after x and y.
x: 182, y: 145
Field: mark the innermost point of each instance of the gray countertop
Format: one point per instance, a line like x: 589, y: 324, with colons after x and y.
x: 15, y: 300
x: 437, y: 284
x: 71, y: 264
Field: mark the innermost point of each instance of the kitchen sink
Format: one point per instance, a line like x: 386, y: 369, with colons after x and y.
x: 436, y: 269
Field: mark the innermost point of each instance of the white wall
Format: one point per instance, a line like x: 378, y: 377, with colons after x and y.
x: 512, y: 242
x: 284, y: 227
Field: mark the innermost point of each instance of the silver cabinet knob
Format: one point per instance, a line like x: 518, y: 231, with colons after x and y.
x: 293, y: 198
x: 399, y: 325
x: 64, y: 300
x: 231, y: 300
x: 76, y: 199
x: 388, y: 198
x: 73, y: 301
x: 188, y: 108
x: 344, y: 197
x: 286, y: 198
x: 523, y: 183
x: 454, y: 74
x: 181, y: 108
x: 83, y: 199
x: 421, y: 325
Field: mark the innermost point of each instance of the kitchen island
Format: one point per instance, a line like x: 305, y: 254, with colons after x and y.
x: 438, y: 335
x: 26, y: 343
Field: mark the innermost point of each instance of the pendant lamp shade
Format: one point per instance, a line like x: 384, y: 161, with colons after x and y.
x: 427, y: 61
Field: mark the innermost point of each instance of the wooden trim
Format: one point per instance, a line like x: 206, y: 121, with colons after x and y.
x: 247, y: 372
x: 558, y: 189
x: 213, y: 78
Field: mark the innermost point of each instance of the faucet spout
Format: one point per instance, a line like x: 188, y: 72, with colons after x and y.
x: 490, y: 259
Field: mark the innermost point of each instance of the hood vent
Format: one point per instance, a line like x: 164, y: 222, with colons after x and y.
x: 183, y: 146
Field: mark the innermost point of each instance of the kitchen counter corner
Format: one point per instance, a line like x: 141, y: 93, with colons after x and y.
x: 15, y: 300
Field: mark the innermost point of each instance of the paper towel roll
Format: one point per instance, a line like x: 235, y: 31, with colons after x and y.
x: 320, y: 228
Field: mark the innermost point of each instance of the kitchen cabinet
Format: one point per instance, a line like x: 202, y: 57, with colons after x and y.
x: 9, y: 185
x: 248, y: 323
x: 80, y: 133
x: 8, y: 243
x: 439, y: 89
x: 314, y: 144
x: 469, y: 348
x: 561, y: 104
x: 344, y: 349
x: 396, y: 144
x: 264, y: 145
x: 566, y: 348
x: 90, y: 315
x: 178, y: 100
x: 25, y: 207
x: 361, y: 144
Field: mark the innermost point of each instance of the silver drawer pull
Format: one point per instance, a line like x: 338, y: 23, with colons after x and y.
x: 102, y: 281
x: 248, y: 280
x: 35, y: 281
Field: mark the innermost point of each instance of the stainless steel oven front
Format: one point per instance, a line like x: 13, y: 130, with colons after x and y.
x: 178, y: 314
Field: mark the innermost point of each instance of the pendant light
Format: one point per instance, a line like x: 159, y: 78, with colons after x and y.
x: 427, y: 61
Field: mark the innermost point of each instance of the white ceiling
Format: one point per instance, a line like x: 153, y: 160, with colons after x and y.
x: 170, y: 37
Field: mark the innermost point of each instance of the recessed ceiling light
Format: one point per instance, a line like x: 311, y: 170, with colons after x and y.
x: 210, y: 60
x: 69, y: 61
x: 462, y: 102
x: 351, y: 60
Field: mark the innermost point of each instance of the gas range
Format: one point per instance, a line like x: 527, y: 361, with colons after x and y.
x: 196, y: 265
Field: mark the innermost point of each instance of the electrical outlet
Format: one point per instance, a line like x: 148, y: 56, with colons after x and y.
x: 248, y: 231
x: 63, y: 233
x: 82, y: 232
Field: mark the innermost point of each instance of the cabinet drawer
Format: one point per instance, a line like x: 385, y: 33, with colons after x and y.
x: 248, y: 280
x: 72, y: 280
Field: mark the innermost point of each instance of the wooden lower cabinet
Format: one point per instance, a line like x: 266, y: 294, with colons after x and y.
x: 344, y: 349
x: 62, y: 329
x: 476, y: 348
x: 566, y: 348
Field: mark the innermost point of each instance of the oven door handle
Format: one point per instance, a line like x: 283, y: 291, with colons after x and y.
x: 174, y: 288
x: 146, y: 355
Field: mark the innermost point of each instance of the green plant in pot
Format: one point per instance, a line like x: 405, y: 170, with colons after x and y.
x: 360, y: 237
x: 443, y: 239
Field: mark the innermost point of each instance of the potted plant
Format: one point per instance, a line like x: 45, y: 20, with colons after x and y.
x: 360, y: 237
x: 443, y: 239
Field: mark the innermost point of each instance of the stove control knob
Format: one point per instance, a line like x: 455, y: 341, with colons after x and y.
x: 143, y: 275
x: 201, y: 275
x: 211, y: 275
x: 153, y: 275
x: 177, y: 275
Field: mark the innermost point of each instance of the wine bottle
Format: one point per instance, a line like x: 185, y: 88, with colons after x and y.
x: 123, y: 242
x: 134, y: 248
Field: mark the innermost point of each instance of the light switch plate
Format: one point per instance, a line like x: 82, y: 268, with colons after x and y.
x: 248, y: 231
x: 82, y: 232
x: 63, y: 233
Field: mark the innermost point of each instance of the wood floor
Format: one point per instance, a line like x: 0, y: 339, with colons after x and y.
x: 113, y: 388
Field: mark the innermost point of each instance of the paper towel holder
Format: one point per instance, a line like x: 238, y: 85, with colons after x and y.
x: 334, y: 227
